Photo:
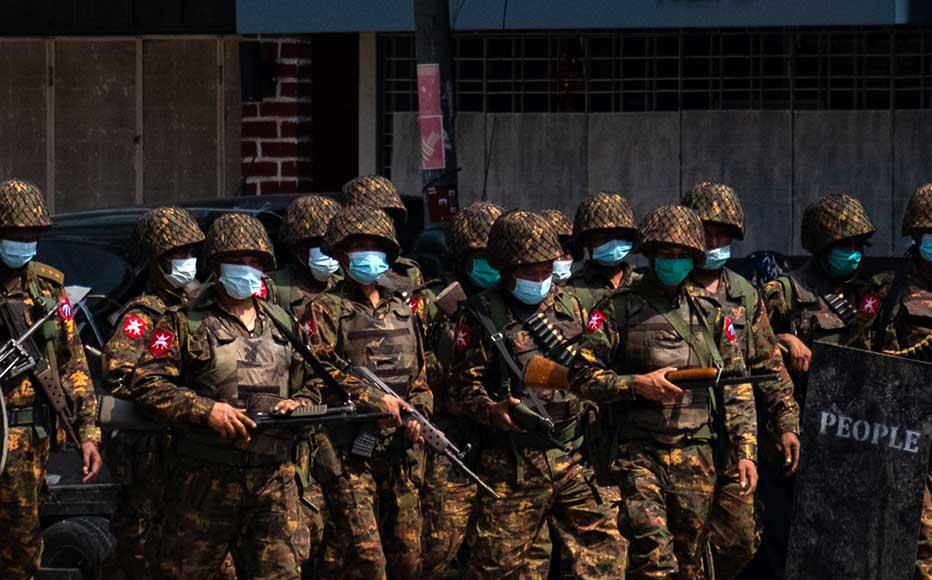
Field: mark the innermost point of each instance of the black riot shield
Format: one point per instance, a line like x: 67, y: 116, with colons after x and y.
x: 4, y: 431
x: 866, y: 435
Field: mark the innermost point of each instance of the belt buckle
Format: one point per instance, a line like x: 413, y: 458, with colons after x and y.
x: 498, y: 336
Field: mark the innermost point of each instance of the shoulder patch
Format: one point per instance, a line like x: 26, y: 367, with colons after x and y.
x: 870, y: 304
x: 263, y: 292
x: 415, y: 303
x: 134, y: 327
x: 161, y: 342
x: 308, y: 327
x: 65, y: 309
x: 596, y: 320
x: 729, y: 330
x: 461, y: 337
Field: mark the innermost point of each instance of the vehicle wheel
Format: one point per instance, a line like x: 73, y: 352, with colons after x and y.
x: 82, y: 542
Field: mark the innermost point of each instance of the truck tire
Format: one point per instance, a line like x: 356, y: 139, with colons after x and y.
x: 82, y: 542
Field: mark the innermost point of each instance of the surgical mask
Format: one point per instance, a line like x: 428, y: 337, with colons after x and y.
x: 16, y: 254
x: 240, y: 281
x: 483, y: 275
x: 367, y: 267
x: 715, y: 259
x: 612, y: 252
x: 321, y: 265
x: 532, y: 292
x: 562, y: 269
x: 925, y: 247
x: 182, y: 272
x: 843, y: 263
x: 672, y: 271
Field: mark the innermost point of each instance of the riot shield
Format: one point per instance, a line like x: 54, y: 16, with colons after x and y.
x: 866, y: 435
x: 4, y: 432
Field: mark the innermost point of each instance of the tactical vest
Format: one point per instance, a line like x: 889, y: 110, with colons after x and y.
x: 739, y: 299
x: 650, y: 342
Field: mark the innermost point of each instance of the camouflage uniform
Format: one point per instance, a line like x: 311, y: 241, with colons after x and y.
x: 734, y: 534
x: 909, y: 333
x: 661, y: 455
x: 136, y: 458
x: 373, y: 502
x: 601, y: 212
x: 224, y: 494
x: 538, y: 483
x: 35, y: 288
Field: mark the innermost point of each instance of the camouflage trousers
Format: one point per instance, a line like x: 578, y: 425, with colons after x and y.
x: 211, y: 509
x: 374, y: 511
x: 666, y: 498
x: 733, y: 531
x: 538, y: 488
x: 924, y: 556
x: 313, y: 508
x: 448, y: 498
x: 22, y: 491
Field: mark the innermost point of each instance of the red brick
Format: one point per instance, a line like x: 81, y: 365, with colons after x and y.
x: 260, y: 129
x: 304, y: 71
x: 250, y: 110
x: 248, y: 149
x: 260, y: 169
x: 295, y: 90
x: 294, y: 50
x: 292, y: 129
x: 279, y: 149
x: 252, y: 189
x: 267, y: 187
x: 283, y: 70
x: 296, y: 168
x: 285, y: 109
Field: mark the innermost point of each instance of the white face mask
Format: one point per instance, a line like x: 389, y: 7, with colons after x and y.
x: 562, y: 269
x: 240, y: 281
x: 321, y: 265
x: 182, y: 273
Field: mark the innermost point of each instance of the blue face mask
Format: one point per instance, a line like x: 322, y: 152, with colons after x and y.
x: 925, y: 247
x: 16, y: 254
x: 612, y: 252
x: 240, y: 281
x: 321, y: 265
x: 532, y: 292
x: 483, y: 275
x: 843, y: 263
x: 672, y: 271
x: 562, y: 269
x: 715, y: 259
x: 367, y: 267
x: 183, y: 272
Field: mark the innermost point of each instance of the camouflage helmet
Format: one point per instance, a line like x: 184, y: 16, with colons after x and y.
x: 469, y: 231
x: 833, y: 218
x: 22, y: 205
x: 162, y: 230
x: 307, y: 218
x: 918, y: 216
x: 376, y: 191
x: 522, y: 237
x: 235, y: 233
x: 603, y: 211
x: 716, y: 203
x: 362, y: 220
x: 673, y: 225
x: 559, y: 222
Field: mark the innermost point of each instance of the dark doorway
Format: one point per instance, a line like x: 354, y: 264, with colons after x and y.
x: 334, y: 109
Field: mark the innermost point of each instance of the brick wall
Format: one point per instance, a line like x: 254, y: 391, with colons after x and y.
x: 276, y: 132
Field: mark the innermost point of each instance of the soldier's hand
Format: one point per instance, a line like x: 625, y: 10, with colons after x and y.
x: 799, y: 354
x: 789, y: 446
x: 500, y: 417
x: 747, y: 476
x: 91, y: 461
x: 230, y: 422
x: 393, y: 406
x: 413, y: 433
x: 655, y: 386
x: 289, y: 405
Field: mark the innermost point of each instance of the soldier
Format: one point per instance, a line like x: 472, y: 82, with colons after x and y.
x: 448, y: 496
x: 541, y: 479
x: 604, y: 226
x: 734, y: 536
x: 661, y: 452
x: 908, y: 328
x: 379, y: 192
x: 562, y: 266
x: 208, y: 360
x: 165, y: 241
x: 30, y: 290
x: 371, y: 481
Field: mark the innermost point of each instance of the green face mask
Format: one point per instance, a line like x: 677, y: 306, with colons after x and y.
x: 843, y: 263
x: 483, y: 275
x: 672, y: 271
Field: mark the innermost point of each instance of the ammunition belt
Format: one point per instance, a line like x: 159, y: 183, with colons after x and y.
x: 921, y: 351
x: 28, y: 416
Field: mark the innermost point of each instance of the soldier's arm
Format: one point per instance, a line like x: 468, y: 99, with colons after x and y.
x: 472, y: 358
x: 419, y: 393
x: 777, y: 305
x: 591, y: 375
x: 130, y: 338
x: 155, y: 385
x: 76, y: 379
x: 765, y: 358
x: 738, y: 400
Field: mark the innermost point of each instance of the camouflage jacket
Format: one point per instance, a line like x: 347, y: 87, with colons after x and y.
x: 478, y: 379
x: 911, y: 319
x: 797, y: 305
x: 592, y: 283
x: 745, y: 308
x: 294, y: 288
x: 627, y: 335
x: 174, y: 376
x: 34, y: 282
x: 325, y: 325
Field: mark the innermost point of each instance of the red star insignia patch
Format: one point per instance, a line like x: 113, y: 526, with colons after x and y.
x: 134, y: 327
x: 65, y: 309
x: 415, y: 304
x: 263, y: 292
x: 161, y: 342
x: 596, y: 320
x: 461, y: 338
x: 730, y: 333
x: 870, y: 304
x: 308, y: 327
